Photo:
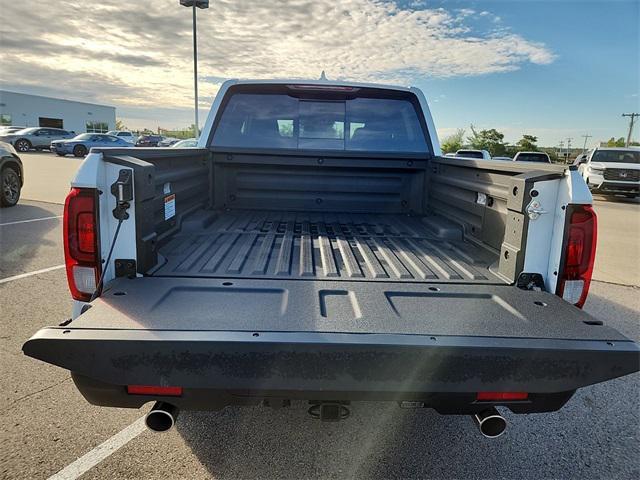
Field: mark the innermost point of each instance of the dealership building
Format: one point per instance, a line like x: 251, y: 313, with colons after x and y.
x: 21, y: 109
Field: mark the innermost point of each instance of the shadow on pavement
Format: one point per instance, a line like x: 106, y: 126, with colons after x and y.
x: 595, y: 435
x: 19, y: 243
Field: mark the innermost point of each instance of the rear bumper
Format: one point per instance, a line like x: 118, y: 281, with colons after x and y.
x: 221, y: 367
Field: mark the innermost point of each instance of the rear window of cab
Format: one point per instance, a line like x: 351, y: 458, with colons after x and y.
x: 282, y: 121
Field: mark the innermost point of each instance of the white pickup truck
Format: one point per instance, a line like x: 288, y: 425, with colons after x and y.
x: 612, y: 171
x: 317, y: 246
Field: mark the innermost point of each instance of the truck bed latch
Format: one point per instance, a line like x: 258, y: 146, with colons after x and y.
x: 534, y: 209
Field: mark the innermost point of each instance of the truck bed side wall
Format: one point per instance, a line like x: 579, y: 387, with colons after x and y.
x: 489, y: 199
x: 159, y: 174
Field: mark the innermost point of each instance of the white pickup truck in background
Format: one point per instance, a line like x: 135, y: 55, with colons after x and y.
x: 612, y: 171
x: 317, y: 246
x: 470, y: 153
x: 532, y: 157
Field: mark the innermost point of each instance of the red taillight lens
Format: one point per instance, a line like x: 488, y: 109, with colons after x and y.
x: 501, y: 396
x: 154, y: 390
x: 579, y: 254
x: 81, y: 252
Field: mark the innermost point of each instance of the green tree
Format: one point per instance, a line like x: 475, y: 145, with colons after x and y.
x: 490, y: 140
x: 453, y: 143
x: 616, y: 143
x: 527, y: 144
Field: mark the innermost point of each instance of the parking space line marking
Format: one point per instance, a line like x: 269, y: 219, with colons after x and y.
x: 24, y: 275
x: 101, y: 452
x: 29, y: 221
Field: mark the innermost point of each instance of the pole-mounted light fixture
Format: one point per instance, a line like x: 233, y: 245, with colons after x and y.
x: 195, y: 4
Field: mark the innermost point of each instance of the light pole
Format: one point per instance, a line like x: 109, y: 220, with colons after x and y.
x: 195, y: 4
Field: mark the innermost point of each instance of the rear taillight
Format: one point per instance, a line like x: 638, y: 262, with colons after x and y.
x: 81, y: 251
x: 579, y: 254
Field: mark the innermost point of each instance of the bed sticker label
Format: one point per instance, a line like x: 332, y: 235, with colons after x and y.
x: 482, y: 199
x: 169, y: 206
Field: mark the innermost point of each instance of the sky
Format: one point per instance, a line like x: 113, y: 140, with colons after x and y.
x: 553, y: 69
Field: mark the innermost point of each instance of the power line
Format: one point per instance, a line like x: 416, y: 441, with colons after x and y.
x: 586, y: 137
x: 632, y: 117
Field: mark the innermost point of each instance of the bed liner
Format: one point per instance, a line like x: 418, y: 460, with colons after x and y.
x: 316, y: 245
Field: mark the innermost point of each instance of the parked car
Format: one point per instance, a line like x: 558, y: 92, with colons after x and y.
x: 188, y: 143
x: 10, y: 129
x: 79, y: 146
x: 468, y: 153
x: 506, y: 159
x: 35, y: 138
x: 11, y: 175
x: 168, y: 142
x: 242, y: 276
x: 532, y: 157
x: 149, y: 140
x: 612, y: 171
x: 124, y: 135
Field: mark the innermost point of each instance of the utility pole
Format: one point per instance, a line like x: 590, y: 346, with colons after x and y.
x: 560, y: 148
x: 632, y: 117
x: 586, y: 137
x: 569, y: 148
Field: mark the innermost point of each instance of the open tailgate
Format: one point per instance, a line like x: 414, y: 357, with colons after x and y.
x: 335, y: 336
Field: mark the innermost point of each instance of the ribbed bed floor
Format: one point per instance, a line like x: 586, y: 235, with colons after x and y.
x: 307, y: 245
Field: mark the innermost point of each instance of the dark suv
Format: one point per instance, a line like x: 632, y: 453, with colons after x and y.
x: 11, y: 175
x: 149, y: 140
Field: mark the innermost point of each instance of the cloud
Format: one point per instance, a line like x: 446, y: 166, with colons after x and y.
x: 138, y: 54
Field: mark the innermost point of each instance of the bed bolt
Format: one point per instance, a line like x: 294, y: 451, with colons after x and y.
x: 321, y: 161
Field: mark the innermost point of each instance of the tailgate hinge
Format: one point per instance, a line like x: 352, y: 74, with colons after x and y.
x: 531, y: 281
x: 125, y: 267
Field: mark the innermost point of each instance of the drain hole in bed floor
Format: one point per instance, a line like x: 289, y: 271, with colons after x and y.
x: 227, y: 284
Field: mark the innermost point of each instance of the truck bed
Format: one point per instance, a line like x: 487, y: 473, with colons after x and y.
x: 332, y: 246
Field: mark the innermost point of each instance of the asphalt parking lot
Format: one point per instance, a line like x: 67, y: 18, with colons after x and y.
x: 48, y: 426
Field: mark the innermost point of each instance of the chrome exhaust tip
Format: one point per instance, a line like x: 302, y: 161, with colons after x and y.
x: 162, y: 417
x: 490, y: 423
